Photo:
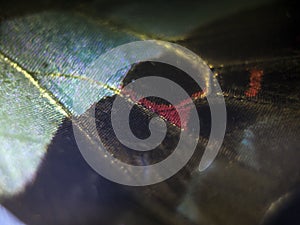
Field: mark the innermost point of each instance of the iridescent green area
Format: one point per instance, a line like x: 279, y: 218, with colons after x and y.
x: 28, y: 122
x: 58, y: 48
x: 53, y: 50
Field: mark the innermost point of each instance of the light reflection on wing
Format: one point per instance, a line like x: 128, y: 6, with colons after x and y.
x: 6, y: 218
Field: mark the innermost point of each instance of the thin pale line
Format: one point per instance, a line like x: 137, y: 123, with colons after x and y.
x: 44, y: 92
x: 128, y: 30
x: 80, y: 77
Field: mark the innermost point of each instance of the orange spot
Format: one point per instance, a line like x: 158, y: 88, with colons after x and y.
x: 169, y: 112
x: 255, y: 82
